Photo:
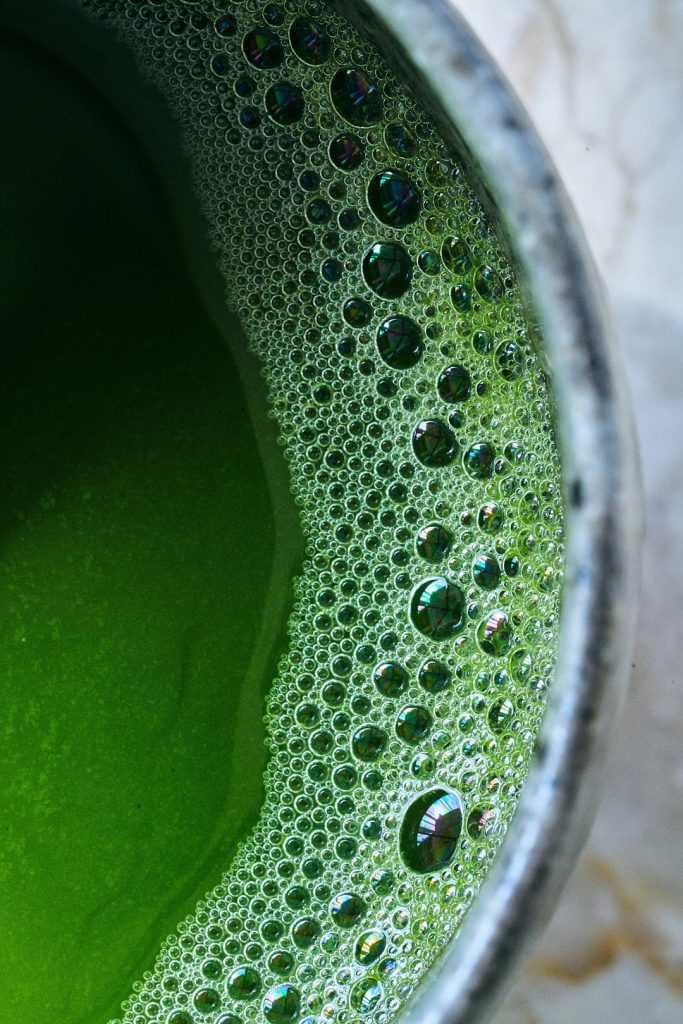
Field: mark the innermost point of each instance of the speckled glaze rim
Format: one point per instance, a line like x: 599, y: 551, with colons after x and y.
x: 460, y: 84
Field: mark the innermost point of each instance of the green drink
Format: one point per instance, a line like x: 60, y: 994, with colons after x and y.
x: 363, y: 538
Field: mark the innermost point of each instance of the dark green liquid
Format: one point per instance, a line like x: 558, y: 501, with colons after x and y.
x: 133, y: 510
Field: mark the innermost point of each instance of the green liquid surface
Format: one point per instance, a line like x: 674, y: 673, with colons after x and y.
x: 392, y: 607
x: 133, y: 665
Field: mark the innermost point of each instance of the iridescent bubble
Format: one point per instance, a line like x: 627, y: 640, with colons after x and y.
x: 486, y: 572
x: 356, y: 98
x: 346, y: 909
x: 305, y: 931
x: 368, y: 742
x: 480, y: 821
x: 357, y: 312
x: 284, y: 103
x: 456, y: 255
x: 490, y: 517
x: 461, y: 297
x: 365, y: 995
x: 428, y: 262
x: 243, y: 983
x: 318, y: 211
x: 510, y: 360
x: 369, y: 947
x: 387, y: 269
x: 310, y: 41
x: 394, y: 199
x: 399, y: 342
x: 225, y: 26
x: 454, y: 384
x: 391, y: 679
x: 206, y: 1000
x: 521, y: 665
x: 489, y: 285
x: 433, y: 542
x: 262, y: 49
x: 433, y: 676
x: 495, y: 634
x: 436, y: 608
x: 479, y: 459
x: 400, y: 139
x: 500, y: 714
x: 347, y: 152
x: 282, y: 1004
x: 434, y: 443
x: 430, y: 831
x: 413, y: 724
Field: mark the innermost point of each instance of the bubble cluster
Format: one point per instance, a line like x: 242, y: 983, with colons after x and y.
x: 416, y: 420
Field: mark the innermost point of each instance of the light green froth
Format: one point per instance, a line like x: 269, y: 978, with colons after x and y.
x: 330, y: 823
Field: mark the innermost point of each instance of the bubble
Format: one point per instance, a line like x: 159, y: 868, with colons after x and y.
x: 369, y: 947
x: 387, y: 269
x: 495, y: 634
x: 486, y: 572
x: 430, y: 831
x: 394, y: 199
x: 346, y: 909
x: 413, y: 724
x: 433, y: 676
x: 400, y: 139
x: 461, y: 297
x: 284, y: 103
x: 454, y: 384
x: 347, y: 152
x: 365, y: 995
x: 456, y: 255
x: 206, y: 1000
x: 428, y: 262
x: 510, y: 360
x: 244, y: 983
x: 433, y: 542
x: 434, y: 443
x: 490, y: 517
x: 399, y: 342
x: 262, y: 49
x: 369, y: 742
x: 436, y: 608
x: 282, y: 1004
x: 391, y: 679
x: 305, y: 931
x: 225, y: 25
x: 479, y: 459
x: 489, y: 285
x: 356, y: 98
x: 480, y: 821
x: 357, y: 312
x: 310, y: 41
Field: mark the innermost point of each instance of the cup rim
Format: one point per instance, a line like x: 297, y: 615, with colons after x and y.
x: 600, y: 472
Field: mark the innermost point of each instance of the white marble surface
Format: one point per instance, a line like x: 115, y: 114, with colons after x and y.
x: 603, y: 82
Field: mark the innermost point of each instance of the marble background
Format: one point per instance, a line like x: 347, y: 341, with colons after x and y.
x: 603, y: 82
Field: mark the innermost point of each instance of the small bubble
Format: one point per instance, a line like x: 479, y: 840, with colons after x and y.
x: 433, y: 676
x: 284, y: 103
x: 434, y: 443
x: 436, y: 608
x: 486, y: 572
x: 310, y: 41
x: 356, y: 98
x: 454, y: 384
x: 347, y: 152
x: 387, y: 269
x: 495, y: 634
x: 262, y: 49
x: 369, y: 947
x: 479, y: 459
x: 346, y: 909
x: 243, y: 983
x: 433, y: 542
x: 430, y: 831
x: 413, y: 723
x: 399, y: 342
x: 394, y: 199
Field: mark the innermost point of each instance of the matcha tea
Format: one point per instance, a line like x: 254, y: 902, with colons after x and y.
x: 338, y: 508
